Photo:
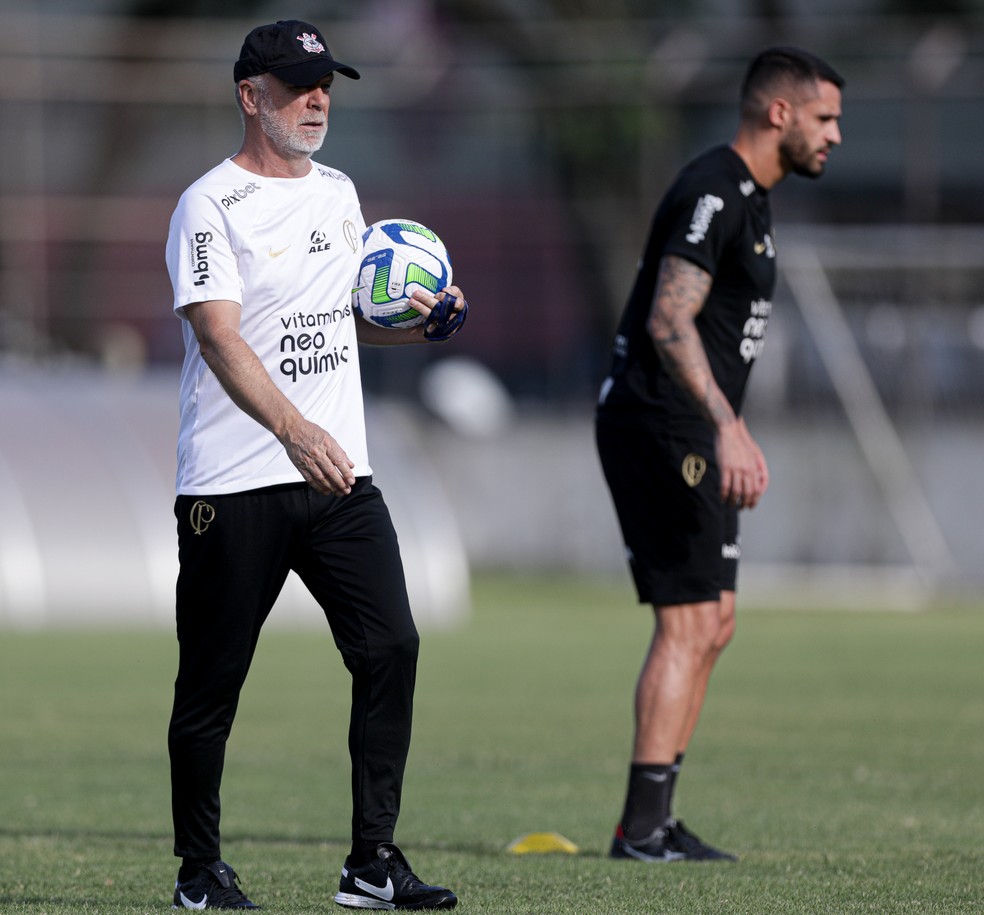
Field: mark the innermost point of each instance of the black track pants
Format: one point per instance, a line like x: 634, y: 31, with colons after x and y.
x: 235, y: 552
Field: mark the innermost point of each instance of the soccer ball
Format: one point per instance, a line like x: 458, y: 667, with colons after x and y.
x: 398, y: 256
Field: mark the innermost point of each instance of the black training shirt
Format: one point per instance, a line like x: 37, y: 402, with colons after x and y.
x: 716, y: 216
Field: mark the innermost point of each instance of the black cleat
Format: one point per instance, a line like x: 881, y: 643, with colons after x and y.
x: 681, y: 839
x: 213, y: 887
x: 388, y: 883
x: 653, y: 849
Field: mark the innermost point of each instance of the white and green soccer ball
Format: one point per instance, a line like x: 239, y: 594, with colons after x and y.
x: 398, y: 257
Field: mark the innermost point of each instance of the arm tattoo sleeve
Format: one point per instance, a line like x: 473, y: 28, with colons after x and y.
x: 680, y: 294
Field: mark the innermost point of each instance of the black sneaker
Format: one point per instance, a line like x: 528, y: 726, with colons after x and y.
x: 652, y: 849
x: 681, y: 839
x: 388, y: 883
x: 213, y: 887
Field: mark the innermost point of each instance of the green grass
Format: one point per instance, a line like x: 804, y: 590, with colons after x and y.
x: 840, y: 754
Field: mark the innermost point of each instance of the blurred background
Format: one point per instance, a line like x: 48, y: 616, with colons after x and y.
x: 535, y: 137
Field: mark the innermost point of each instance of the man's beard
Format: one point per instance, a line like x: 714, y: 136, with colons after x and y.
x: 289, y: 139
x: 800, y: 159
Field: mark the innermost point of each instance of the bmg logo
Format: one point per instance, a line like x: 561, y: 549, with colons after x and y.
x: 199, y: 256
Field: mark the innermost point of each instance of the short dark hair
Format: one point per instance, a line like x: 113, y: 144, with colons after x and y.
x: 773, y: 67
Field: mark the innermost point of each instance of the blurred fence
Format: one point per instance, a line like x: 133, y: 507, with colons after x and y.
x: 537, y: 147
x: 87, y: 528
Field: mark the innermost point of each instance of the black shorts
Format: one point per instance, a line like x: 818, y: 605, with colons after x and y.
x: 681, y: 540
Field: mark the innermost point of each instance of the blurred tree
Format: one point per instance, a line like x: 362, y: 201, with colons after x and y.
x: 123, y: 136
x: 939, y: 8
x: 589, y: 145
x: 191, y: 9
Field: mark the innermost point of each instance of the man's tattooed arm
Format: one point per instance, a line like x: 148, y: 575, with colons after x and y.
x: 680, y: 294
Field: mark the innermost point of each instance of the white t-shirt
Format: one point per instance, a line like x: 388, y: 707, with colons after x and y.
x: 287, y: 250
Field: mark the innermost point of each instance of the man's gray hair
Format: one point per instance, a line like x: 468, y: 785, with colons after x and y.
x: 261, y: 83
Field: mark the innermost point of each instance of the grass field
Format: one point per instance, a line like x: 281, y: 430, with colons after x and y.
x: 841, y: 755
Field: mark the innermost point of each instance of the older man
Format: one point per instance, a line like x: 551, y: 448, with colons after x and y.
x: 273, y: 469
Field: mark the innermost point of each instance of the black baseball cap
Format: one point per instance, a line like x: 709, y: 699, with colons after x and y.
x: 292, y: 51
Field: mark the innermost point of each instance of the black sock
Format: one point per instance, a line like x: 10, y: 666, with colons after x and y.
x: 363, y: 852
x: 674, y: 772
x: 190, y: 867
x: 647, y: 802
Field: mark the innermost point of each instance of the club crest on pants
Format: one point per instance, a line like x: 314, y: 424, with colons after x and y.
x: 201, y: 516
x: 694, y: 468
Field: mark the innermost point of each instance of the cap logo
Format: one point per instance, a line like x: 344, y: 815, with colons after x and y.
x: 309, y: 41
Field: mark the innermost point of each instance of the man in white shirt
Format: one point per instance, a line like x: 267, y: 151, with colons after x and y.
x: 273, y: 469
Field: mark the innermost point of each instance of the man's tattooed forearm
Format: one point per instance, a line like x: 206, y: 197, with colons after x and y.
x: 680, y: 295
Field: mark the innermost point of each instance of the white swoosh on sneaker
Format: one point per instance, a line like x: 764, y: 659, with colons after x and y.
x: 382, y: 892
x: 188, y: 904
x: 642, y: 856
